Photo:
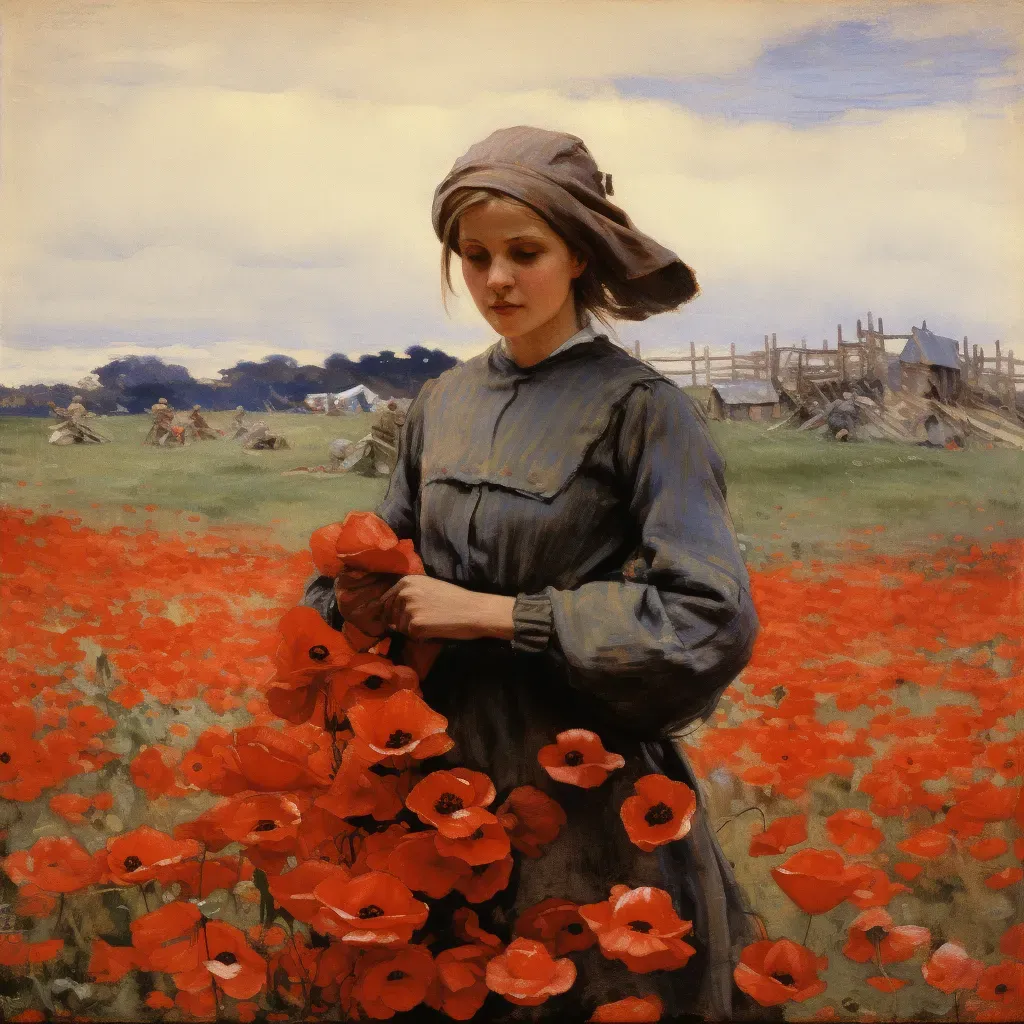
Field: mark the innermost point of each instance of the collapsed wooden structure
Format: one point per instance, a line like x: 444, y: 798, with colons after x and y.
x: 918, y: 387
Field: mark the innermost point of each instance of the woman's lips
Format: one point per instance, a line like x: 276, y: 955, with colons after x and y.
x: 504, y: 308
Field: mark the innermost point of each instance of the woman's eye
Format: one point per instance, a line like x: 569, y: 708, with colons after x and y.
x: 525, y: 257
x: 476, y: 257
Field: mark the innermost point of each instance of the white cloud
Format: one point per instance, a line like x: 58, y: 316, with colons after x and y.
x: 219, y: 222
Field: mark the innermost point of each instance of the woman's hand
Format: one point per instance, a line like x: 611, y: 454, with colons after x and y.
x: 427, y: 609
x: 359, y: 597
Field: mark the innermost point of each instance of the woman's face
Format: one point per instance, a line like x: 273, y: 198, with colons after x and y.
x: 518, y: 270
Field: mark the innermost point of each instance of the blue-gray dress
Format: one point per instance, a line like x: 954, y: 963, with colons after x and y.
x: 587, y: 487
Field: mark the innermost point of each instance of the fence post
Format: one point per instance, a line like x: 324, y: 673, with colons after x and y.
x: 842, y: 365
x: 999, y: 361
x: 636, y: 349
x: 693, y: 365
x: 871, y: 321
x: 707, y: 365
x: 881, y: 330
x: 839, y: 335
x: 732, y: 359
x: 799, y: 370
x: 974, y: 364
x: 767, y: 359
x: 1011, y: 383
x: 860, y: 331
x: 966, y: 363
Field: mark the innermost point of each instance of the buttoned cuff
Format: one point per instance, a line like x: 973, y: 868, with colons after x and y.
x: 533, y: 622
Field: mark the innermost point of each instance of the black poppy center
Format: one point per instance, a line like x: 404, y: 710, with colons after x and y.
x: 478, y: 834
x: 785, y: 757
x: 659, y: 814
x: 575, y: 928
x: 399, y: 738
x: 448, y: 803
x: 875, y: 934
x: 197, y: 766
x: 5, y: 758
x: 640, y: 926
x: 1000, y: 989
x: 266, y: 825
x: 1006, y: 764
x: 370, y: 910
x: 573, y: 758
x: 319, y: 653
x: 227, y: 958
x: 784, y: 979
x: 132, y: 863
x: 396, y: 975
x: 479, y: 869
x: 373, y: 682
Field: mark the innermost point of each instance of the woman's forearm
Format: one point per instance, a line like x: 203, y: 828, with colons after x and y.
x: 495, y: 616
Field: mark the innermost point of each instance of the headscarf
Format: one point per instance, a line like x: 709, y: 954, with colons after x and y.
x: 555, y: 174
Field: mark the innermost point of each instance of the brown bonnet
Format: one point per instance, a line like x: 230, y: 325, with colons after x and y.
x: 555, y: 174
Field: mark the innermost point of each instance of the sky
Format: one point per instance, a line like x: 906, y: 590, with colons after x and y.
x: 212, y: 181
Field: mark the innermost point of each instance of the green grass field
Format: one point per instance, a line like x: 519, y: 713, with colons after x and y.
x: 788, y: 491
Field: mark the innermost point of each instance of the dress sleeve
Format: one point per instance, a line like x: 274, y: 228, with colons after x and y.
x: 660, y: 644
x: 401, y: 504
x: 399, y: 508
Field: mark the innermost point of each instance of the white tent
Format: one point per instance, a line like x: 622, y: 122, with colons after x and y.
x: 357, y: 399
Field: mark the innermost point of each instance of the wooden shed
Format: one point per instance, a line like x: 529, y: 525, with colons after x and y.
x: 745, y: 400
x: 930, y: 366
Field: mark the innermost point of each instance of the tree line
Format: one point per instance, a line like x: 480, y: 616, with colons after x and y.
x: 277, y: 382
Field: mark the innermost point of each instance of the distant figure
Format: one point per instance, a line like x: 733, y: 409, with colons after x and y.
x: 238, y: 422
x: 162, y: 432
x: 259, y: 438
x: 71, y: 427
x: 198, y: 427
x: 376, y: 453
x: 842, y: 417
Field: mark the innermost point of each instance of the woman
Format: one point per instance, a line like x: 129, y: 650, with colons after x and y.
x: 582, y: 570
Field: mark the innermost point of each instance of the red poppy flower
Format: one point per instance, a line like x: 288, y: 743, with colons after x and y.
x: 578, y: 758
x: 416, y: 862
x: 818, y: 880
x: 527, y: 975
x: 874, y: 933
x: 15, y: 951
x: 466, y: 925
x: 200, y: 878
x: 269, y: 761
x: 54, y: 865
x: 773, y: 973
x: 453, y: 802
x: 987, y: 802
x: 393, y: 981
x: 780, y: 835
x: 294, y: 890
x: 461, y: 986
x: 374, y: 909
x: 876, y: 889
x: 168, y: 939
x: 950, y: 969
x: 660, y: 812
x: 484, y: 880
x: 1001, y: 879
x: 488, y: 844
x: 238, y: 969
x: 356, y: 791
x: 109, y: 964
x: 532, y: 818
x: 988, y: 849
x: 907, y: 869
x: 309, y: 649
x: 261, y: 819
x: 364, y: 542
x: 1012, y: 942
x: 145, y: 854
x: 631, y: 1010
x: 71, y: 807
x: 854, y: 831
x: 641, y: 928
x: 1003, y: 983
x: 883, y: 984
x: 403, y: 724
x: 556, y: 923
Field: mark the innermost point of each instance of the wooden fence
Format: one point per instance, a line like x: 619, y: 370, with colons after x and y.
x: 795, y: 366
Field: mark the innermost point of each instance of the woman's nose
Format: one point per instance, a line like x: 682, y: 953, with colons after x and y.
x: 500, y: 275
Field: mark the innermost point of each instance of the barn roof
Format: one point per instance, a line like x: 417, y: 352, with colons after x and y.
x: 931, y: 350
x: 747, y: 392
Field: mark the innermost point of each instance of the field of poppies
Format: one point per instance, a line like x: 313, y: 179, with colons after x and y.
x: 213, y: 805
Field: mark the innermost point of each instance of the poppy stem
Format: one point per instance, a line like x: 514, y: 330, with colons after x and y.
x: 60, y: 912
x: 810, y: 918
x: 213, y: 980
x: 142, y: 889
x: 956, y: 1006
x: 754, y: 807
